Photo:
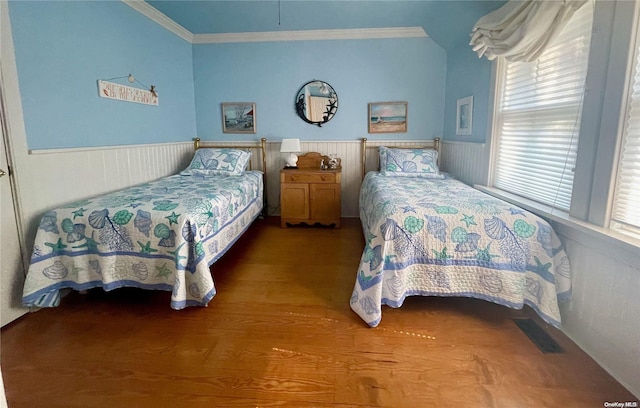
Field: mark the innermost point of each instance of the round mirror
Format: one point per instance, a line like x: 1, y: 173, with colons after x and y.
x: 316, y: 102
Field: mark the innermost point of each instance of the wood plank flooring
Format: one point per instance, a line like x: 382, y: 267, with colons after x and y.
x: 280, y: 333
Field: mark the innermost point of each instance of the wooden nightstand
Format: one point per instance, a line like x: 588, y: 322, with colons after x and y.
x: 310, y: 195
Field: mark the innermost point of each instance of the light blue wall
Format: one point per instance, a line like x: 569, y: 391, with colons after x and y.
x: 361, y: 71
x: 62, y: 48
x: 468, y: 75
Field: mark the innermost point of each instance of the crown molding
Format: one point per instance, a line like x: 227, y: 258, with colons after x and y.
x: 152, y: 13
x: 302, y: 35
x: 312, y: 35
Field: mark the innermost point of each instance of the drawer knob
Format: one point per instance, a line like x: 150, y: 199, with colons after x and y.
x: 323, y: 178
x: 293, y: 178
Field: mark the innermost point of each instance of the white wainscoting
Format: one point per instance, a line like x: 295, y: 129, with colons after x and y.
x: 602, y: 316
x: 468, y: 162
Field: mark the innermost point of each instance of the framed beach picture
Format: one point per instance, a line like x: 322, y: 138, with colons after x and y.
x: 238, y: 117
x: 464, y: 116
x: 388, y: 117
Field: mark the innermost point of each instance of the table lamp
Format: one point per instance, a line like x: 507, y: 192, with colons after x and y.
x: 291, y: 146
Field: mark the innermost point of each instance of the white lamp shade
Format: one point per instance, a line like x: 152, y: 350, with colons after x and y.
x: 290, y: 146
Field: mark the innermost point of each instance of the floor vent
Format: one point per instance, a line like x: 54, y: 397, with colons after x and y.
x: 538, y: 336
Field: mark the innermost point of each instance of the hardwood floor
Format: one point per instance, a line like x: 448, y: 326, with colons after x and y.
x: 280, y: 333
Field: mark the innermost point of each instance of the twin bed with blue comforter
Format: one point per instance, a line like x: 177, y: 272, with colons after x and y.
x: 428, y: 234
x: 160, y: 235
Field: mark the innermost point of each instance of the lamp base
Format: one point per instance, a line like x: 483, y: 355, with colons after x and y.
x: 292, y: 160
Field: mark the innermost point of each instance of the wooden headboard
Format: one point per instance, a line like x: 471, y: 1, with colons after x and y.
x: 400, y: 144
x: 248, y: 146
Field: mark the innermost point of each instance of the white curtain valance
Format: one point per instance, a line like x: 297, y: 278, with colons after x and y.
x: 520, y: 30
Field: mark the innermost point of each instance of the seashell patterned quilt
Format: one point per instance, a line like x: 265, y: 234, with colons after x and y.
x: 160, y: 235
x: 440, y: 237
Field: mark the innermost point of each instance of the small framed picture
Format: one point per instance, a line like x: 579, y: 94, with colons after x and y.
x: 238, y: 117
x: 388, y: 117
x: 464, y: 116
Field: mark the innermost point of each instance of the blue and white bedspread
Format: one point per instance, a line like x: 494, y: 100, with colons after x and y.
x: 440, y: 237
x: 161, y: 235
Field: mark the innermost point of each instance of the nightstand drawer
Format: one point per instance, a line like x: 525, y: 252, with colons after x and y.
x: 310, y: 177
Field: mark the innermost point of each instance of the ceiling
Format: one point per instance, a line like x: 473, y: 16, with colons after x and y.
x: 448, y: 22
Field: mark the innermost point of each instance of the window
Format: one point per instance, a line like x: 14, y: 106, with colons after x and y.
x: 626, y: 201
x: 538, y: 117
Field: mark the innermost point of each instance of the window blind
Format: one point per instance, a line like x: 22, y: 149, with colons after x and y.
x: 626, y: 201
x: 538, y: 117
